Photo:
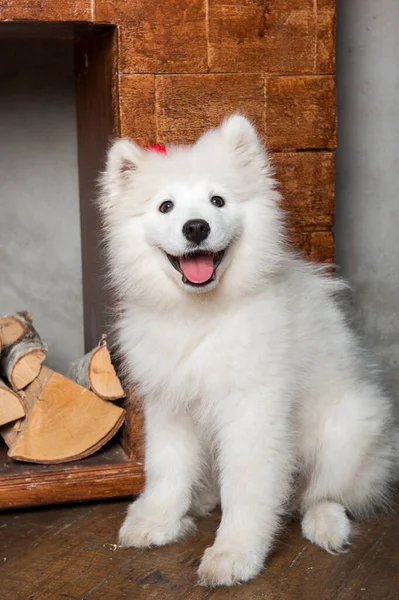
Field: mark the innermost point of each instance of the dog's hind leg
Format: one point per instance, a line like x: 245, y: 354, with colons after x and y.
x: 349, y: 455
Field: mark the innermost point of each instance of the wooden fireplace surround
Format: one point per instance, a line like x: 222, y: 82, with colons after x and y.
x: 164, y: 72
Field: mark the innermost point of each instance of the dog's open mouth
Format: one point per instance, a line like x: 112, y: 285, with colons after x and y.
x: 197, y: 268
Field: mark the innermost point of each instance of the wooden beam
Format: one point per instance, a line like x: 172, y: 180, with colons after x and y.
x: 96, y: 98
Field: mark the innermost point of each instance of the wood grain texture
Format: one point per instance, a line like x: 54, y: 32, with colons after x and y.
x: 64, y: 421
x: 301, y: 113
x: 12, y: 328
x: 132, y: 436
x: 325, y: 36
x: 95, y: 371
x: 188, y: 105
x: 236, y: 36
x: 317, y: 245
x: 71, y: 553
x: 107, y: 474
x: 51, y: 10
x: 306, y: 182
x: 11, y: 406
x: 137, y: 108
x: 284, y: 36
x: 290, y: 37
x: 158, y: 37
x: 20, y: 361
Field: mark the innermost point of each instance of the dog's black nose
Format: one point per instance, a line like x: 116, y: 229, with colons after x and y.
x: 196, y: 230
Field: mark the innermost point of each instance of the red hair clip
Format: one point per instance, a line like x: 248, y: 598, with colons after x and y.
x: 160, y: 148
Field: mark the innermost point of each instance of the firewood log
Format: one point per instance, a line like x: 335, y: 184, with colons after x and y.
x: 11, y: 405
x: 21, y: 359
x: 13, y: 327
x: 96, y: 372
x: 64, y: 421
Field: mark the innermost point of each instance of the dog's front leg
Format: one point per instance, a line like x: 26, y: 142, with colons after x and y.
x: 158, y: 516
x: 254, y: 465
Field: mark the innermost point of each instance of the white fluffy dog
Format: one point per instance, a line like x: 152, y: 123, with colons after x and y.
x: 255, y: 391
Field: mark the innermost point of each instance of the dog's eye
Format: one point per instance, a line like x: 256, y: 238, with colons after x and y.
x: 166, y: 206
x: 217, y: 201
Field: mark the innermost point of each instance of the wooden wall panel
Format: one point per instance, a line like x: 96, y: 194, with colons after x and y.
x: 51, y: 10
x: 301, y: 113
x: 325, y: 39
x: 290, y: 36
x: 306, y: 182
x: 280, y: 36
x: 236, y: 36
x: 317, y: 246
x: 158, y: 37
x: 187, y: 105
x: 137, y: 108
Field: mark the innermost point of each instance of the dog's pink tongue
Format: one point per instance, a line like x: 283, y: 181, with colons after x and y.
x: 197, y: 269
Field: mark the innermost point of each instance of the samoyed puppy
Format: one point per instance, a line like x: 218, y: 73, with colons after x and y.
x: 255, y: 392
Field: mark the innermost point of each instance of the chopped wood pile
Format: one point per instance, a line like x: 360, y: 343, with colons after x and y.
x: 46, y: 417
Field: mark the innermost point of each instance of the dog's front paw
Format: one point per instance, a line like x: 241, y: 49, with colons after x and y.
x: 144, y: 527
x: 224, y: 566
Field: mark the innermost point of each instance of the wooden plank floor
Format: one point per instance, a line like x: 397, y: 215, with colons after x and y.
x: 69, y: 552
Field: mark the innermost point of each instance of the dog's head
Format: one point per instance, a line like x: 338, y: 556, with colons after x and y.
x: 193, y: 219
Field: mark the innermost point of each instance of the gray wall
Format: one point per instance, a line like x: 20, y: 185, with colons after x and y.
x: 367, y: 193
x: 40, y: 262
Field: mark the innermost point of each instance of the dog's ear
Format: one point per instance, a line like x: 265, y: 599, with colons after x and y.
x: 240, y: 134
x: 123, y: 159
x: 242, y: 139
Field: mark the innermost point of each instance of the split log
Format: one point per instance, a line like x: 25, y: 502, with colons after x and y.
x: 64, y: 421
x: 21, y: 359
x: 11, y: 405
x: 96, y: 372
x: 13, y: 327
x: 8, y: 432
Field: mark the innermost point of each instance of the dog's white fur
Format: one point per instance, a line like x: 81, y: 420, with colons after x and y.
x: 256, y: 393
